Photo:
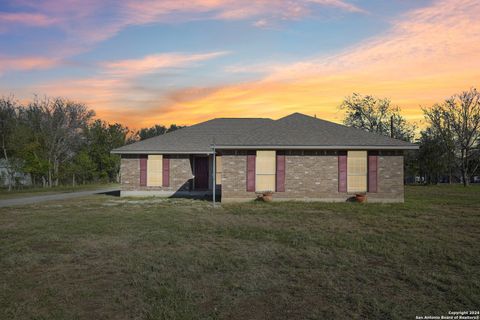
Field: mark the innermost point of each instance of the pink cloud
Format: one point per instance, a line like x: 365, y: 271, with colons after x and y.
x: 80, y: 17
x: 24, y: 18
x: 85, y: 25
x: 152, y: 63
x: 26, y: 63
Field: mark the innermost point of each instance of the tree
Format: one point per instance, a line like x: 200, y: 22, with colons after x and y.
x: 433, y: 157
x: 59, y: 126
x: 457, y: 121
x: 81, y: 168
x: 376, y: 115
x: 156, y: 130
x: 101, y: 139
x: 9, y: 126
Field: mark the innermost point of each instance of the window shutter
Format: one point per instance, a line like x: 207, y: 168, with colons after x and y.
x: 280, y: 171
x: 166, y: 172
x: 372, y: 171
x: 251, y: 171
x: 342, y: 171
x: 357, y: 171
x: 154, y: 170
x: 143, y: 170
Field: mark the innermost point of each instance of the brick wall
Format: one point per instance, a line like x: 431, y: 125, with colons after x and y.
x: 309, y: 175
x: 313, y: 175
x: 180, y: 174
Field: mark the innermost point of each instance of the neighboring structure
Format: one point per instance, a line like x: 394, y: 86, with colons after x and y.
x: 19, y: 178
x: 298, y: 157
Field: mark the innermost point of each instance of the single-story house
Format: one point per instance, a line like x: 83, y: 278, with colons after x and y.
x: 298, y: 157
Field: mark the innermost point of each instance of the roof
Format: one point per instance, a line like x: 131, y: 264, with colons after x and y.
x: 197, y: 138
x: 296, y: 131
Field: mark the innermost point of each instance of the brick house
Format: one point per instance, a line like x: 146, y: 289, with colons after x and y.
x: 298, y: 157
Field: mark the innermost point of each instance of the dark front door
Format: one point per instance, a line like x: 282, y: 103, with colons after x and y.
x: 201, y: 173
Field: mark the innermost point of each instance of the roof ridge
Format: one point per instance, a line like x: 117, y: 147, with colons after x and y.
x: 246, y: 118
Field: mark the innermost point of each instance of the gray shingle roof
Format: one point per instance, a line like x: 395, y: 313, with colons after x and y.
x: 297, y: 130
x: 294, y: 131
x: 197, y: 138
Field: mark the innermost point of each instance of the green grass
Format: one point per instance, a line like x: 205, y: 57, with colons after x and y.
x: 30, y: 192
x: 113, y: 258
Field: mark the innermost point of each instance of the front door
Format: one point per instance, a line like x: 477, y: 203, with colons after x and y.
x: 201, y: 173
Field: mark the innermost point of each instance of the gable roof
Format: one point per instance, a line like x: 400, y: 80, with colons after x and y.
x: 296, y: 131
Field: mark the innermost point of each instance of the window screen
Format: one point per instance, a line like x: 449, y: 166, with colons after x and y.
x: 357, y: 171
x: 154, y: 170
x: 218, y: 168
x: 265, y: 171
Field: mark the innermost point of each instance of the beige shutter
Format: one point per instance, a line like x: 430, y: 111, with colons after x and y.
x: 357, y: 171
x: 155, y: 170
x: 218, y: 168
x: 265, y: 166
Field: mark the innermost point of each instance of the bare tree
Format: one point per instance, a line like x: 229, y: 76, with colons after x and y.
x: 376, y: 115
x: 457, y: 121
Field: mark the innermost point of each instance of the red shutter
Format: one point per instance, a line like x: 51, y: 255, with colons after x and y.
x: 342, y: 171
x: 143, y: 170
x: 280, y: 171
x: 372, y: 171
x: 166, y: 172
x: 251, y: 171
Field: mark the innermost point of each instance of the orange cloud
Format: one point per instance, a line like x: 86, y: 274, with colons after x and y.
x: 114, y: 93
x: 428, y: 55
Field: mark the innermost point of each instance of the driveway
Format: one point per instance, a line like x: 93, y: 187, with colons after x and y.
x: 57, y: 196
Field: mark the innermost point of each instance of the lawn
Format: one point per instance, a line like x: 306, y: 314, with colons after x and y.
x: 103, y: 257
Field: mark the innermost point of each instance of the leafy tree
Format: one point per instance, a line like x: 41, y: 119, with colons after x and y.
x: 58, y: 126
x: 101, y: 139
x: 457, y: 122
x: 156, y: 130
x: 376, y: 115
x: 434, y: 157
x: 82, y: 168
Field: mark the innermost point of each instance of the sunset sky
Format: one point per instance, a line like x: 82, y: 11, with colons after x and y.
x: 142, y: 62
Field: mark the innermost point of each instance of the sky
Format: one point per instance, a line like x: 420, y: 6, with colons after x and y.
x: 146, y: 62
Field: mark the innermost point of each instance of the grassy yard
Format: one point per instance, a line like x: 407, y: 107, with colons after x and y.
x: 112, y: 258
x: 30, y: 192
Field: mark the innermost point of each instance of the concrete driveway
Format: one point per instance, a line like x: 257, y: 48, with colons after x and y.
x: 56, y: 196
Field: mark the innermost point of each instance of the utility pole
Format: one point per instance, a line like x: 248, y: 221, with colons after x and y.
x: 391, y: 127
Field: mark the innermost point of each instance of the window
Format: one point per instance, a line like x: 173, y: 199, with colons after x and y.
x: 154, y: 170
x: 265, y: 171
x: 218, y: 168
x: 357, y: 171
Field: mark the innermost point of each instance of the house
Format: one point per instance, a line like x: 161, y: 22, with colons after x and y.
x: 298, y: 157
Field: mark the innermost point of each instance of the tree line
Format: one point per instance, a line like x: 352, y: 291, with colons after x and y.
x: 58, y: 141
x: 449, y: 145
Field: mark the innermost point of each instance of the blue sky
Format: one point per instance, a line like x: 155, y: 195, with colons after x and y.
x: 144, y: 62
